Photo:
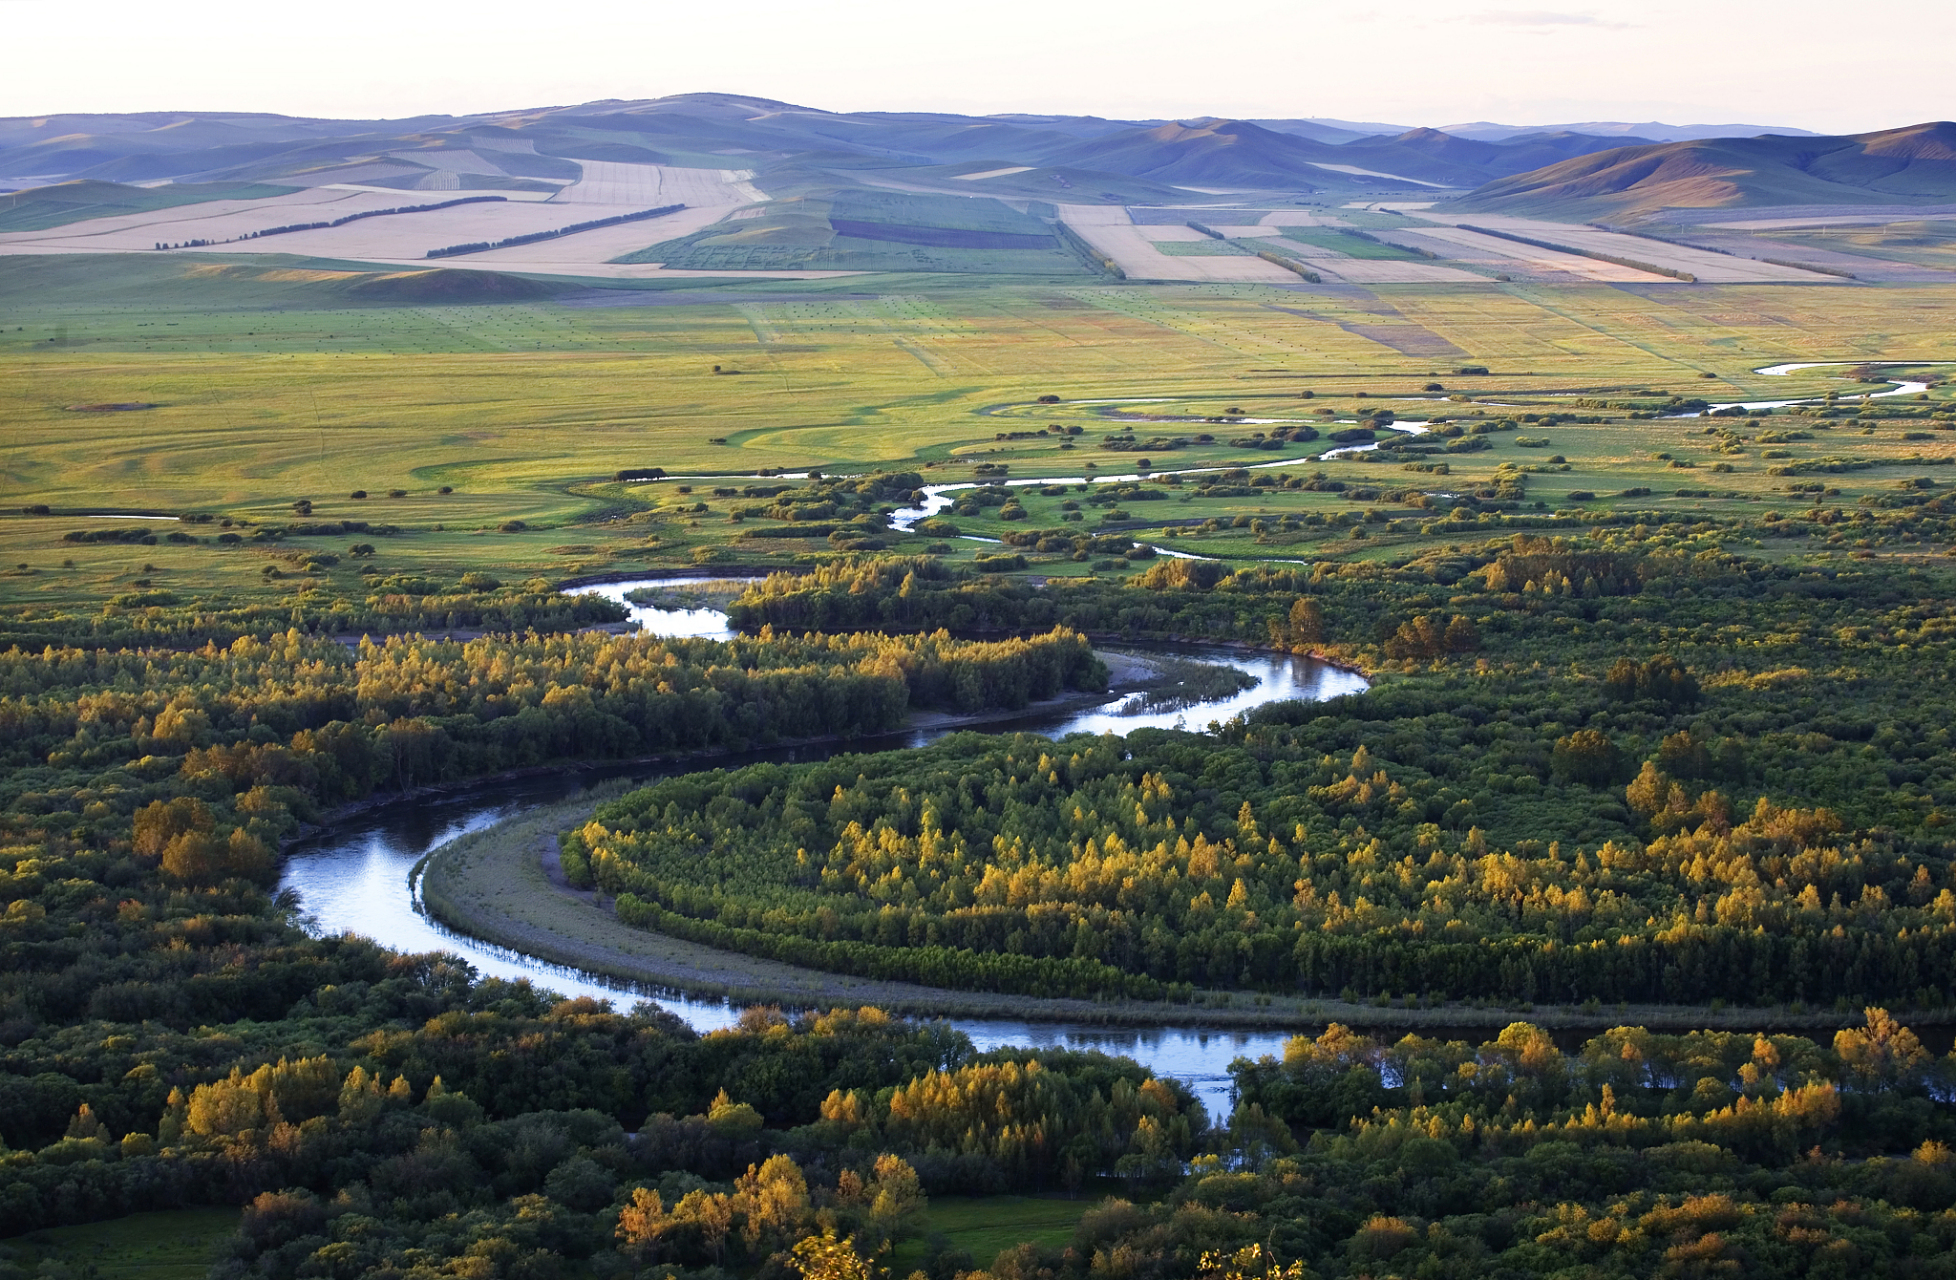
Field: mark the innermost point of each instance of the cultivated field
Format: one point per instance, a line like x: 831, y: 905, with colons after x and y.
x: 1297, y: 218
x: 1416, y: 242
x: 647, y: 186
x: 391, y: 238
x: 606, y: 190
x: 1363, y: 271
x: 1844, y: 218
x: 1110, y: 230
x: 1472, y: 246
x: 1705, y: 265
x: 215, y: 220
x: 452, y: 161
x: 1171, y: 234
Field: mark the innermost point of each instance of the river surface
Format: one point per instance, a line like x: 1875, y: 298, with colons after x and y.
x: 936, y: 497
x: 1901, y: 387
x: 359, y: 877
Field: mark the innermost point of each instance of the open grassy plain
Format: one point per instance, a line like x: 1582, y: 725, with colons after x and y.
x: 275, y: 384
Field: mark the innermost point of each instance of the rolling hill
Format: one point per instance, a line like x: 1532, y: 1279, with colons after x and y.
x: 1892, y: 166
x: 68, y: 168
x: 1210, y: 153
x: 715, y: 129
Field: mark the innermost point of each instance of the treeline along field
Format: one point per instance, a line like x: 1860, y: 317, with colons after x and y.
x: 298, y: 720
x: 160, y: 617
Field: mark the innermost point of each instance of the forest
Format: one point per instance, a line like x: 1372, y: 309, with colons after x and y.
x: 1618, y: 763
x: 1567, y: 783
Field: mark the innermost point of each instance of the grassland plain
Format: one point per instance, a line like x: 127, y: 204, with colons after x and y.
x: 276, y: 384
x: 268, y: 388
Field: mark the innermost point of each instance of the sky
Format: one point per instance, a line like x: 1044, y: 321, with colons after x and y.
x: 1803, y: 63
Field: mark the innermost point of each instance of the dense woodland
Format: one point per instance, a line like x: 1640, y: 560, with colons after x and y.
x: 1622, y: 766
x: 1616, y: 770
x: 398, y: 604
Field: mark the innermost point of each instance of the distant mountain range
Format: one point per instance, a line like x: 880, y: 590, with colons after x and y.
x: 1916, y: 164
x: 1288, y: 155
x: 1650, y: 129
x: 1591, y: 169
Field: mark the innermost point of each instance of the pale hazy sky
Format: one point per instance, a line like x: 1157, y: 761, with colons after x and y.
x: 1829, y: 67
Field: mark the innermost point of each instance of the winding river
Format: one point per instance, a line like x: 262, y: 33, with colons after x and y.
x: 936, y: 497
x: 1902, y: 387
x: 360, y: 876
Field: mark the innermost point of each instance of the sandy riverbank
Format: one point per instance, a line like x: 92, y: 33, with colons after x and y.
x: 505, y: 886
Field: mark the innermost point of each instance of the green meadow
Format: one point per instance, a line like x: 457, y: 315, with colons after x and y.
x: 985, y: 1226
x: 276, y: 383
x: 179, y: 1244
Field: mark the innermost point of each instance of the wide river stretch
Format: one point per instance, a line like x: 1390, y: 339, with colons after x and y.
x: 359, y: 877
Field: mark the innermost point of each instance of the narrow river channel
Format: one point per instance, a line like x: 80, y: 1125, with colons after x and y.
x: 359, y: 877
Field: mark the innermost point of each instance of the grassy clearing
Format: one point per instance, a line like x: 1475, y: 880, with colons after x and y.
x: 985, y: 1227
x: 179, y: 1244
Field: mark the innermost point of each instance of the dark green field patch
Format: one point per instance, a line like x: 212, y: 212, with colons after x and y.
x: 875, y: 231
x: 941, y: 237
x: 1349, y: 245
x: 986, y: 1227
x: 179, y: 1244
x: 963, y: 213
x: 1204, y: 248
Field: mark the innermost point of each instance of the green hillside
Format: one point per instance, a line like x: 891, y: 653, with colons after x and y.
x: 861, y: 229
x: 57, y: 206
